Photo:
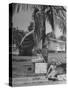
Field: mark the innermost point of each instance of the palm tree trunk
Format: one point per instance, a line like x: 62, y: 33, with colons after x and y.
x: 43, y: 30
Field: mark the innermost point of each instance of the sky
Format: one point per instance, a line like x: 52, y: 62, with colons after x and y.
x: 22, y: 19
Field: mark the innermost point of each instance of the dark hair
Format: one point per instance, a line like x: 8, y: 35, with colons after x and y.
x: 30, y: 27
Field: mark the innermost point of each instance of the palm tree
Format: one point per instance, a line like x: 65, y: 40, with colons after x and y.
x: 48, y: 12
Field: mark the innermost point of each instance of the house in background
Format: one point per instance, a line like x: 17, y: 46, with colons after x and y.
x: 56, y: 45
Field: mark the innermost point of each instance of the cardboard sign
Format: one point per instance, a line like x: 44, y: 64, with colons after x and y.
x: 40, y: 67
